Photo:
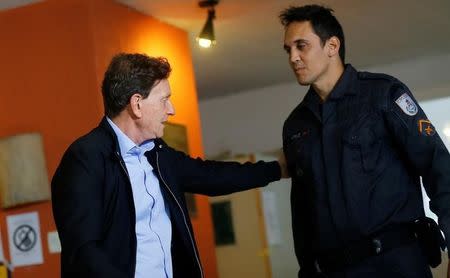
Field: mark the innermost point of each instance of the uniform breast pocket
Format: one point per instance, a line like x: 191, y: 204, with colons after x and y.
x: 362, y: 148
x: 296, y: 156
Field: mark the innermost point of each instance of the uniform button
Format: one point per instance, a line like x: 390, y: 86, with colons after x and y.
x: 377, y: 246
x: 160, y: 146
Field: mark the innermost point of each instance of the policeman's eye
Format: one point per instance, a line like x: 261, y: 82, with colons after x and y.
x: 287, y: 49
x: 301, y: 45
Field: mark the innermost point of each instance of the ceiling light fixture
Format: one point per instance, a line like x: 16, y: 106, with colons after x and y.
x: 206, y: 38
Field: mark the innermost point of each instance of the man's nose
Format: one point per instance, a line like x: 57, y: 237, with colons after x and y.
x: 171, y: 109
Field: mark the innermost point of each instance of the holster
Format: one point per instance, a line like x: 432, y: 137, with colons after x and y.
x: 430, y: 240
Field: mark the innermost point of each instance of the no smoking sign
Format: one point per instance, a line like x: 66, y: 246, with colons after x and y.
x: 24, y: 239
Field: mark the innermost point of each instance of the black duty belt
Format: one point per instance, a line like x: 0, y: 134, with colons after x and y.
x: 357, y: 252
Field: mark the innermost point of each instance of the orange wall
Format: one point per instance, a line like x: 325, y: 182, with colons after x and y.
x: 53, y: 56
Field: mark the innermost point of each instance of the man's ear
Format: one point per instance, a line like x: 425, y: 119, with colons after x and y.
x: 333, y: 45
x: 135, y: 105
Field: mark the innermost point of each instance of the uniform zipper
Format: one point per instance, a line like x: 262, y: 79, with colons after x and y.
x: 184, y: 216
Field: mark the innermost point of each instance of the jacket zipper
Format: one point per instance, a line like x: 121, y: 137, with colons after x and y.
x: 184, y: 216
x: 122, y: 164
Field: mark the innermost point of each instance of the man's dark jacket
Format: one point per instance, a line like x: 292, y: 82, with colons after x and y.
x: 94, y: 210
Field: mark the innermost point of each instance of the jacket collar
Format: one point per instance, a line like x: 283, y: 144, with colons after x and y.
x: 106, y: 127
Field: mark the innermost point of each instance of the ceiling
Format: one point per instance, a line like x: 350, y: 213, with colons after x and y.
x: 249, y: 53
x: 9, y: 4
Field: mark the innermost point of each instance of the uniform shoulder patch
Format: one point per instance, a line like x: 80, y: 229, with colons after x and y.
x: 407, y: 104
x: 426, y: 128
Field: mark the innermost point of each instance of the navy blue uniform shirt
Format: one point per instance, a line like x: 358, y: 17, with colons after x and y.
x: 356, y: 161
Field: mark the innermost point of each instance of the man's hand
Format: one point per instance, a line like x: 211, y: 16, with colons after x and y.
x: 283, y: 165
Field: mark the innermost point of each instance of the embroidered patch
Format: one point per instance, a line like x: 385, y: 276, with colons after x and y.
x: 300, y: 134
x: 407, y: 105
x: 426, y: 128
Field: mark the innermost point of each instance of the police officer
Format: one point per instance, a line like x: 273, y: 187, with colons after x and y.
x: 356, y: 147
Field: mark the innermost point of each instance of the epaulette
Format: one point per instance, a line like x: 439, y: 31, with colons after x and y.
x: 375, y: 76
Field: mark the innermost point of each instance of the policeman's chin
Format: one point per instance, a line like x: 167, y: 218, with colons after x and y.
x: 302, y: 80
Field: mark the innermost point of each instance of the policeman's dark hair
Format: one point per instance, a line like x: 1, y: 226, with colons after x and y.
x: 128, y: 74
x: 322, y: 20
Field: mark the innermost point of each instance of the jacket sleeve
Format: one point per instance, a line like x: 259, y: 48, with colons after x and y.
x: 426, y: 154
x: 77, y: 208
x: 215, y: 178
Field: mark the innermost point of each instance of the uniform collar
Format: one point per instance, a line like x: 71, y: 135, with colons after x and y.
x: 346, y: 84
x: 312, y: 101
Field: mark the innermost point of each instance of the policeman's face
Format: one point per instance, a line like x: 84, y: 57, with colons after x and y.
x: 156, y: 109
x: 307, y: 57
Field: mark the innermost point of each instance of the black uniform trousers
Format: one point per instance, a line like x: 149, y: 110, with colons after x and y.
x: 406, y: 261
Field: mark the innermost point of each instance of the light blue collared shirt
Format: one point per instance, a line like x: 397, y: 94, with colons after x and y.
x: 153, y: 226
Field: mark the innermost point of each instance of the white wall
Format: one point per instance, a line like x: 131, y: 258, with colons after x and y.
x: 251, y: 121
x: 248, y: 122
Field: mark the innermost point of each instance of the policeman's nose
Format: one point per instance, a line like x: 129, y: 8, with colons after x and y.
x: 294, y: 57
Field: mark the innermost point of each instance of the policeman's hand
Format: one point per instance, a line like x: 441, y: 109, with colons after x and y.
x: 283, y: 165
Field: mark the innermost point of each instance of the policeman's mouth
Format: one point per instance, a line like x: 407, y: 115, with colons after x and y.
x: 299, y: 69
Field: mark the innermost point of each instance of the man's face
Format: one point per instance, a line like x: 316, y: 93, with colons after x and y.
x: 307, y: 57
x: 156, y: 109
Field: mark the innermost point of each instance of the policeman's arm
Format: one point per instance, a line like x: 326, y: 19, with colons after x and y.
x: 424, y: 150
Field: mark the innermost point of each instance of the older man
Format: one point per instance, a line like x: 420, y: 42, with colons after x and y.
x: 118, y: 193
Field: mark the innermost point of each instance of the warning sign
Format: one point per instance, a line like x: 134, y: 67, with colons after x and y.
x: 24, y: 239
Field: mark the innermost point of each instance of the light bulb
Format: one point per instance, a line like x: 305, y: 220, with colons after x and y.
x: 204, y: 43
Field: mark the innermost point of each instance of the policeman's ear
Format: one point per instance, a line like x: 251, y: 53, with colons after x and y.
x: 135, y: 106
x: 333, y: 44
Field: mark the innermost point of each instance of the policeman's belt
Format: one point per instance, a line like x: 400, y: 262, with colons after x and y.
x: 357, y: 252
